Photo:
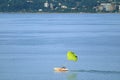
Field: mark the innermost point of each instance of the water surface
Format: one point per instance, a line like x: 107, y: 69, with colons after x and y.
x: 31, y: 45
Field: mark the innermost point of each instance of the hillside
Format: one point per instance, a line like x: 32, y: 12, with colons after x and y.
x: 92, y: 6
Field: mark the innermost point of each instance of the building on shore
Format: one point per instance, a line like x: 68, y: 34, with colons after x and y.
x: 106, y: 7
x: 46, y: 4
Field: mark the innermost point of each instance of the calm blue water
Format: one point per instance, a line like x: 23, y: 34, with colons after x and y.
x: 31, y: 45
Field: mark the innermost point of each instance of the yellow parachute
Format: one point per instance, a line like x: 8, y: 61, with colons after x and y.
x: 72, y: 56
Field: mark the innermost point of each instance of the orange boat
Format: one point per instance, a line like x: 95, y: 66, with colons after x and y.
x: 60, y: 69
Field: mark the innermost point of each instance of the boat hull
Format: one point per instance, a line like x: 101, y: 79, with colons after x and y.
x: 60, y: 69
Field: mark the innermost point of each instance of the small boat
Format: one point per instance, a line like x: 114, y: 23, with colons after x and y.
x: 62, y: 69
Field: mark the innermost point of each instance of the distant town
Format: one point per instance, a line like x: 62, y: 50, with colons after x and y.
x: 61, y: 6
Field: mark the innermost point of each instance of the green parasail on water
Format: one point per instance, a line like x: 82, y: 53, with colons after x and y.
x: 72, y: 56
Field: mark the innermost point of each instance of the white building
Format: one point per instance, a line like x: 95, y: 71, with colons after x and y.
x: 29, y: 1
x: 106, y: 7
x: 40, y: 10
x: 46, y: 4
x: 51, y: 6
x: 64, y: 7
x: 59, y: 4
x: 119, y: 7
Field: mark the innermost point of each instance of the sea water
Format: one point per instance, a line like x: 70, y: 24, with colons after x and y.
x: 32, y: 44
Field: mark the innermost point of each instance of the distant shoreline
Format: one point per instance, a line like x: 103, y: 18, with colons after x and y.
x: 65, y: 12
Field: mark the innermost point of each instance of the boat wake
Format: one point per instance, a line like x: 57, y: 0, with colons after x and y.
x: 97, y: 71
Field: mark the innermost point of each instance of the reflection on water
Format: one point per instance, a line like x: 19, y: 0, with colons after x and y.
x: 72, y: 76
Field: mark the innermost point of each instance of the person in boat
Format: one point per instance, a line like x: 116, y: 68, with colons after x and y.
x: 63, y: 67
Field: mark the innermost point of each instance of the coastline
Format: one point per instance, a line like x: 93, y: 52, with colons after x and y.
x: 64, y: 12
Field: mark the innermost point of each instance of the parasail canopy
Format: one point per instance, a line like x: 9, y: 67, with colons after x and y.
x: 72, y: 56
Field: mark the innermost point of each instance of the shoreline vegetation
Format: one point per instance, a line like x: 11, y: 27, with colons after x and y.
x: 59, y: 6
x: 63, y: 12
x: 56, y: 13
